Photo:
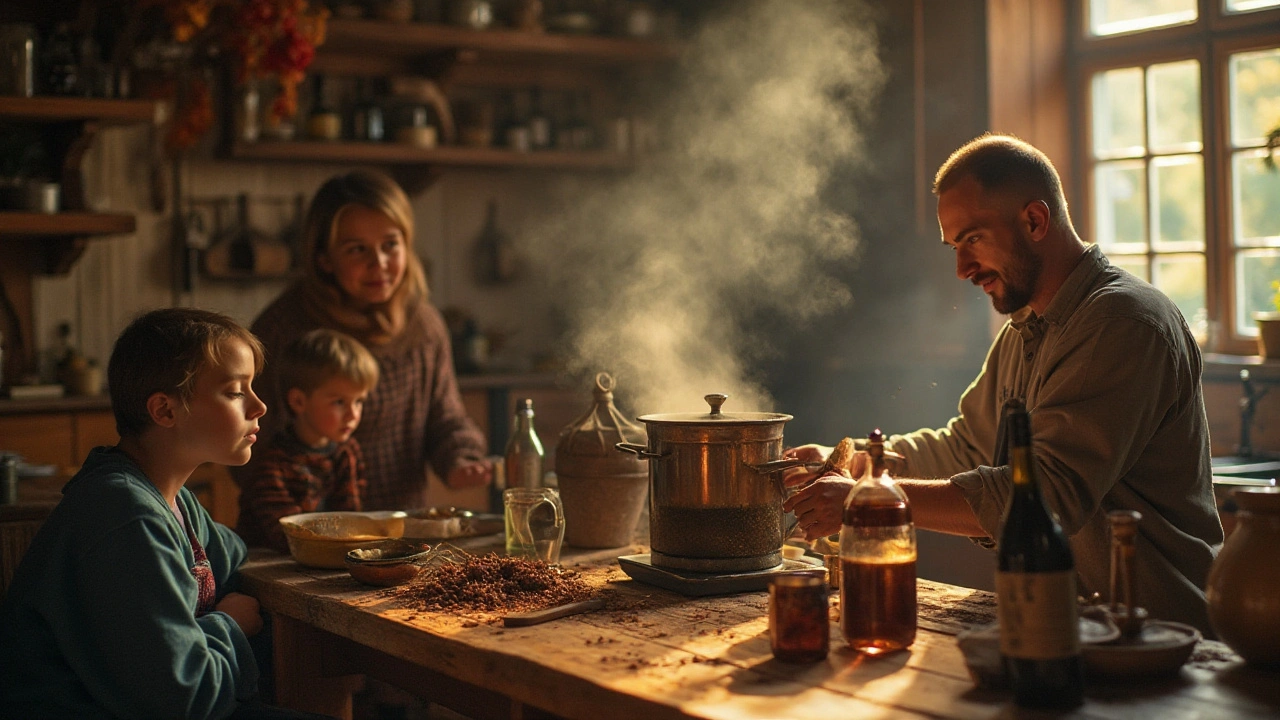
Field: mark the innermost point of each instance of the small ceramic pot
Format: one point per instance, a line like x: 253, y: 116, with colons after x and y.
x: 1244, y: 581
x: 1268, y: 333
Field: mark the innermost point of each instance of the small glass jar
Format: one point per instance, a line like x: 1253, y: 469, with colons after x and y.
x: 799, y: 625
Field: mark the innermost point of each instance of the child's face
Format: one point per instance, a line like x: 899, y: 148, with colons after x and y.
x: 367, y: 256
x: 221, y: 422
x: 329, y: 412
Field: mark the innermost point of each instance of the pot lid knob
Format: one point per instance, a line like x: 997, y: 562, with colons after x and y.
x: 715, y: 400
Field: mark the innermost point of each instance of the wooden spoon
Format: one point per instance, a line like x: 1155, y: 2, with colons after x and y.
x: 533, y: 617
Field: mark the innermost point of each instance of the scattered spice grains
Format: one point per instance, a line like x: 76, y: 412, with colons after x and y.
x: 493, y: 582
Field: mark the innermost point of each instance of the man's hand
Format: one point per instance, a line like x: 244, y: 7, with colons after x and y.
x: 244, y: 610
x: 808, y: 453
x: 819, y: 507
x: 472, y: 474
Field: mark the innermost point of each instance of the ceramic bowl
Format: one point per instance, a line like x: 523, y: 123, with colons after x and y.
x: 386, y: 562
x: 981, y: 649
x: 1159, y: 652
x: 322, y: 540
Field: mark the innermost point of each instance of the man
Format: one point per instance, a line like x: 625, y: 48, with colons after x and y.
x: 1108, y: 369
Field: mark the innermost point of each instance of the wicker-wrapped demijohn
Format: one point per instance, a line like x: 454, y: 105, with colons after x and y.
x: 603, y: 490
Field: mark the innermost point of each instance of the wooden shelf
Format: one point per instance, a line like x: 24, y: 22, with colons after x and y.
x: 107, y: 112
x: 67, y: 223
x: 401, y: 154
x: 422, y: 39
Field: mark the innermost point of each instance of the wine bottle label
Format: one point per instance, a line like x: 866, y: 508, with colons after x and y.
x: 1037, y: 615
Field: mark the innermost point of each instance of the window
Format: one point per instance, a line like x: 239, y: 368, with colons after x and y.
x: 1179, y: 96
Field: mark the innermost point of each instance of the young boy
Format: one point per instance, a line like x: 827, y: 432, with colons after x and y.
x: 121, y: 606
x: 314, y: 463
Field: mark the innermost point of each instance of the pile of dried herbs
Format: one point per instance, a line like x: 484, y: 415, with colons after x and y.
x: 493, y: 582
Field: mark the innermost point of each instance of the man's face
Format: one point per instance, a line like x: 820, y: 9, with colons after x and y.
x: 993, y: 249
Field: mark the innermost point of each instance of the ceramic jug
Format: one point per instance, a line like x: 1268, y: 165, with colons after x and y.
x: 1244, y: 581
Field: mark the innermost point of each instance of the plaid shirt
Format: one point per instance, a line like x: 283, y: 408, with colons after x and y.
x: 291, y: 478
x: 412, y: 419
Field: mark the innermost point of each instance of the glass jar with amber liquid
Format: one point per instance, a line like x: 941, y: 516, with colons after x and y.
x: 877, y: 561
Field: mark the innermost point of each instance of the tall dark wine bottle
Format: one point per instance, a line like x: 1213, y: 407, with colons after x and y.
x: 1035, y: 586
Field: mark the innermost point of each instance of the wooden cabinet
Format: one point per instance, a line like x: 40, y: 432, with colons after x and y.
x: 61, y: 438
x: 62, y: 432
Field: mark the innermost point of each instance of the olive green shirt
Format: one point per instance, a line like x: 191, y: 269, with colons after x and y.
x: 1111, y: 376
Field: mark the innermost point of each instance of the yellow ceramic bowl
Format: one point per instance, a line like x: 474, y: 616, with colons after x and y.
x: 323, y: 539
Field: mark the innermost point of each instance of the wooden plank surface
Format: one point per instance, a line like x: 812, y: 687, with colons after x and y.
x: 654, y: 654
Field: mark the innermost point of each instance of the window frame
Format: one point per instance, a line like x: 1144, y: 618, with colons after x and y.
x: 1210, y: 40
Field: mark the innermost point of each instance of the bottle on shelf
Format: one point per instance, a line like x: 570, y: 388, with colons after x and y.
x: 877, y: 561
x: 59, y: 63
x: 516, y: 133
x: 1035, y: 585
x: 368, y: 123
x: 582, y: 135
x: 522, y: 460
x: 324, y: 123
x: 541, y: 132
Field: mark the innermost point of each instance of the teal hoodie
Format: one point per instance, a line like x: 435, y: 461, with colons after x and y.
x: 100, y: 618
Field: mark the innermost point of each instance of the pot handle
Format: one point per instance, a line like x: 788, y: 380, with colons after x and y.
x: 785, y: 464
x: 638, y: 449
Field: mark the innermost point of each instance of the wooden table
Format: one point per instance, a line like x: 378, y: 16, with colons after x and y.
x: 655, y: 654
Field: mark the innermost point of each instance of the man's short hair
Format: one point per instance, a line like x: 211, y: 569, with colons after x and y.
x: 1001, y: 164
x: 163, y: 351
x: 320, y: 355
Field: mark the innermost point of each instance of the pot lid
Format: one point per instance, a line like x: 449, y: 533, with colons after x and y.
x: 716, y: 417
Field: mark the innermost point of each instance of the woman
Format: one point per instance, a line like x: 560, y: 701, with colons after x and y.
x: 362, y: 277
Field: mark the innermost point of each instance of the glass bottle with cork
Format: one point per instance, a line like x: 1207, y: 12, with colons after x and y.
x: 522, y: 461
x: 877, y: 561
x: 324, y: 123
x: 1035, y: 585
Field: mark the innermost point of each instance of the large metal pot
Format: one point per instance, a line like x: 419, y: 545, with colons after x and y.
x: 715, y: 495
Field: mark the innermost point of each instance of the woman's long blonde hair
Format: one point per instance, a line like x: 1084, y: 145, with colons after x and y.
x: 376, y: 191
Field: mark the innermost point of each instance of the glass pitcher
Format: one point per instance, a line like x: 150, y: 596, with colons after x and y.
x: 534, y: 522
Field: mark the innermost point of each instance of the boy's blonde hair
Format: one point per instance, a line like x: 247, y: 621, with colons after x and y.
x: 316, y: 357
x: 163, y: 351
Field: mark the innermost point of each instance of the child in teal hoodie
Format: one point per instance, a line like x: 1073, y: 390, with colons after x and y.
x: 122, y: 606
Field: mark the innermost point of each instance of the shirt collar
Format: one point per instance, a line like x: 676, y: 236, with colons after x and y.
x: 1077, y: 285
x: 1068, y: 297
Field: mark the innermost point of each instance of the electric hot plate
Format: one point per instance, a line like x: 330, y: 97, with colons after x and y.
x: 697, y: 584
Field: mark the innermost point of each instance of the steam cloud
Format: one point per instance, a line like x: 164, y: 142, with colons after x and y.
x: 660, y: 271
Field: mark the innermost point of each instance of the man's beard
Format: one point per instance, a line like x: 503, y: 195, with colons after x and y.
x: 1019, y: 279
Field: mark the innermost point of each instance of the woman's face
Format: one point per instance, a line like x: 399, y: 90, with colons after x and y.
x: 366, y: 257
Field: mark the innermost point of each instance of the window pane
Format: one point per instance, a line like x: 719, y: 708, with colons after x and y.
x: 1117, y: 113
x: 1121, y: 202
x: 1255, y: 96
x: 1177, y: 189
x: 1182, y: 278
x: 1255, y: 191
x: 1235, y: 6
x: 1111, y: 17
x: 1173, y: 91
x: 1255, y: 271
x: 1136, y: 264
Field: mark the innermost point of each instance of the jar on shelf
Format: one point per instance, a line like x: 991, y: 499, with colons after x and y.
x: 418, y: 131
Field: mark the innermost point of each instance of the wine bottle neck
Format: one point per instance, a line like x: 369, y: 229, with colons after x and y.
x: 1021, y: 464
